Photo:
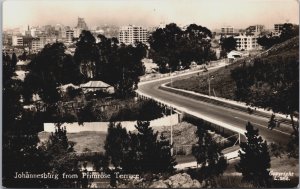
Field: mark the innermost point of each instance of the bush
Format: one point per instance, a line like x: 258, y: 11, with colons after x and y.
x: 141, y: 110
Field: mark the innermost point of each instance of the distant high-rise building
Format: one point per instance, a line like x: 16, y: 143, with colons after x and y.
x: 17, y: 40
x: 81, y: 24
x: 278, y: 28
x: 228, y: 30
x: 37, y: 44
x: 69, y: 36
x: 132, y: 34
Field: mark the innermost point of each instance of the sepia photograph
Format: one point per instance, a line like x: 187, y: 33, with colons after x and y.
x: 150, y: 94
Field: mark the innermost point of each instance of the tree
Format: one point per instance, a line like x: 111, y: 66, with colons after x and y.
x: 86, y: 114
x: 173, y: 48
x: 272, y: 83
x: 166, y: 160
x: 51, y: 68
x: 268, y: 41
x: 288, y: 31
x: 87, y: 55
x: 20, y: 140
x: 254, y: 159
x: 124, y: 61
x: 228, y: 44
x: 208, y: 155
x: 24, y: 56
x: 61, y: 158
x: 14, y: 60
x: 146, y: 154
x: 116, y: 143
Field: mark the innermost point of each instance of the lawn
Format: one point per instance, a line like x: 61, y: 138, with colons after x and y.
x: 84, y: 141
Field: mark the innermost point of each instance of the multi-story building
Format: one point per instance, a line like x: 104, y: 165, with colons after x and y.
x: 255, y: 29
x: 132, y: 34
x: 37, y: 44
x: 17, y: 40
x: 228, y: 30
x: 69, y: 36
x: 278, y: 28
x: 81, y: 24
x: 77, y: 32
x: 247, y: 42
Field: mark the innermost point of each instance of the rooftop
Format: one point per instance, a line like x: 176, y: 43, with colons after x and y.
x: 95, y: 84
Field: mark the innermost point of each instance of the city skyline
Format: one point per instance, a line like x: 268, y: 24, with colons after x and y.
x: 212, y: 14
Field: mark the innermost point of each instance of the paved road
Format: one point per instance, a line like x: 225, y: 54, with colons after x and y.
x: 233, y: 117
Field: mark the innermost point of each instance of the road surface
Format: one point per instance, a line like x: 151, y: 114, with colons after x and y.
x: 229, y: 116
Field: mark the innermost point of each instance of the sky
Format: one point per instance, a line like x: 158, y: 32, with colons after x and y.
x: 209, y: 13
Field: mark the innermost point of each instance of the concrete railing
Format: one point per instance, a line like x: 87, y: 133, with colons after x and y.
x: 196, y: 114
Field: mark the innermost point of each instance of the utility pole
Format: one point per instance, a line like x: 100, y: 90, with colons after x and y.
x: 171, y: 134
x: 208, y: 85
x: 171, y: 79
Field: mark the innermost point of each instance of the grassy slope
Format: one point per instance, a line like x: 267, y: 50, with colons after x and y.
x: 223, y: 84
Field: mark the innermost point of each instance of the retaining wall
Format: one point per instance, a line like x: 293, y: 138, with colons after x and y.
x: 102, y: 126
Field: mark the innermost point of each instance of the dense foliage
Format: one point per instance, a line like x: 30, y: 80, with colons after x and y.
x: 255, y: 160
x: 19, y: 134
x: 174, y: 48
x: 288, y: 31
x: 145, y: 110
x: 270, y: 83
x: 51, y: 68
x: 208, y: 155
x: 140, y: 152
x: 227, y: 44
x: 99, y: 60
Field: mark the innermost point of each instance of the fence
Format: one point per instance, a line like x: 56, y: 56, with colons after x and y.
x: 102, y: 126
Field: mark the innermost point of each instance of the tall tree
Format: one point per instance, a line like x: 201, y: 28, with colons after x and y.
x: 20, y: 140
x: 146, y: 154
x: 51, y: 68
x: 14, y: 60
x: 254, y: 159
x: 164, y: 44
x: 124, y: 61
x: 166, y: 160
x: 173, y: 48
x: 87, y: 55
x: 61, y: 158
x: 209, y: 155
x: 116, y: 143
x: 228, y: 44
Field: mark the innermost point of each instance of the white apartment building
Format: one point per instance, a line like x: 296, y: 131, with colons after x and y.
x: 37, y: 44
x: 247, y: 42
x: 69, y: 36
x: 278, y: 28
x: 17, y: 40
x: 131, y: 34
x: 228, y: 30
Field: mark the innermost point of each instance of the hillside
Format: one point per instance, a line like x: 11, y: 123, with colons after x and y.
x: 223, y: 85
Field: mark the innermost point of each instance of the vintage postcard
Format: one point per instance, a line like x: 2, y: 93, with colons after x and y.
x: 150, y: 94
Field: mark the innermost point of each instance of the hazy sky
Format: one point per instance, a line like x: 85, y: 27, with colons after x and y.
x: 210, y: 13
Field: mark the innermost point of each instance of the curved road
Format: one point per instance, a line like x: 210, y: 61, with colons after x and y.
x: 232, y: 117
